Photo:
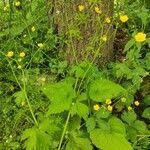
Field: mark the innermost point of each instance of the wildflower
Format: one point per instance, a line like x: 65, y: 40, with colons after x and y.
x: 33, y: 29
x: 19, y: 67
x: 10, y: 54
x: 96, y: 107
x: 81, y: 7
x: 22, y: 103
x: 43, y: 79
x: 124, y: 18
x: 108, y: 101
x: 22, y: 54
x: 136, y: 103
x: 110, y: 108
x: 104, y: 38
x: 24, y: 35
x: 40, y: 45
x: 141, y: 80
x: 129, y: 108
x: 57, y: 12
x: 140, y: 37
x: 107, y: 20
x: 123, y: 99
x: 97, y: 10
x: 6, y: 8
x: 19, y: 60
x: 17, y: 3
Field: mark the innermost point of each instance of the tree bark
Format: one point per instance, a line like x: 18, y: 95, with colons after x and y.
x: 83, y: 39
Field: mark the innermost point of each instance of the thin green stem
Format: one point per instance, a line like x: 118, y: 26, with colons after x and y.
x: 28, y: 102
x: 23, y: 89
x: 64, y: 130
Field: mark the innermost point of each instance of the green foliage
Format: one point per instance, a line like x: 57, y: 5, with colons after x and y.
x: 55, y: 94
x: 79, y: 143
x: 61, y: 95
x: 111, y: 138
x: 100, y: 90
x: 36, y: 139
x: 146, y: 113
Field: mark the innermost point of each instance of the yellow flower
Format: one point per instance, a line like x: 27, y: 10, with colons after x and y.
x: 129, y: 108
x: 141, y: 80
x: 108, y: 101
x: 40, y: 45
x: 19, y: 59
x: 24, y: 35
x: 10, y: 54
x: 17, y: 3
x: 19, y: 67
x: 6, y: 8
x: 107, y: 20
x: 23, y: 103
x: 33, y: 29
x: 123, y: 99
x: 22, y: 54
x: 97, y: 10
x: 124, y: 18
x: 43, y: 79
x: 110, y: 108
x: 136, y: 103
x: 140, y: 37
x: 81, y: 7
x: 104, y: 38
x: 96, y: 107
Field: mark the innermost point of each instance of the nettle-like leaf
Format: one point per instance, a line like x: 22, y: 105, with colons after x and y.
x: 81, y: 109
x: 113, y: 138
x: 102, y: 89
x: 117, y: 125
x: 90, y: 124
x: 109, y: 141
x: 61, y: 95
x: 79, y: 143
x: 103, y: 113
x: 129, y: 45
x: 146, y: 113
x: 147, y: 100
x: 36, y: 139
x: 129, y: 117
x: 140, y: 126
x: 19, y: 97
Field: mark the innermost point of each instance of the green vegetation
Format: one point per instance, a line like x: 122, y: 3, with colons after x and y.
x: 74, y: 75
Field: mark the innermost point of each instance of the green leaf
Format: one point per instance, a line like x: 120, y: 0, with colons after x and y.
x: 82, y: 97
x: 79, y: 144
x: 74, y: 123
x: 140, y: 126
x: 129, y: 45
x: 103, y: 124
x: 117, y: 125
x: 144, y: 15
x: 81, y: 109
x: 61, y: 95
x: 103, y: 113
x: 146, y: 113
x: 19, y: 97
x: 36, y: 139
x: 129, y: 117
x: 109, y: 141
x: 147, y: 100
x: 100, y: 90
x: 50, y: 126
x: 90, y: 124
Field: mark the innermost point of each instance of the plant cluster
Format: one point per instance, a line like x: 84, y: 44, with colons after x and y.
x: 48, y: 102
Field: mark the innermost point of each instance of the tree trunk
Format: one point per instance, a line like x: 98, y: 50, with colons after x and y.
x: 83, y: 30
